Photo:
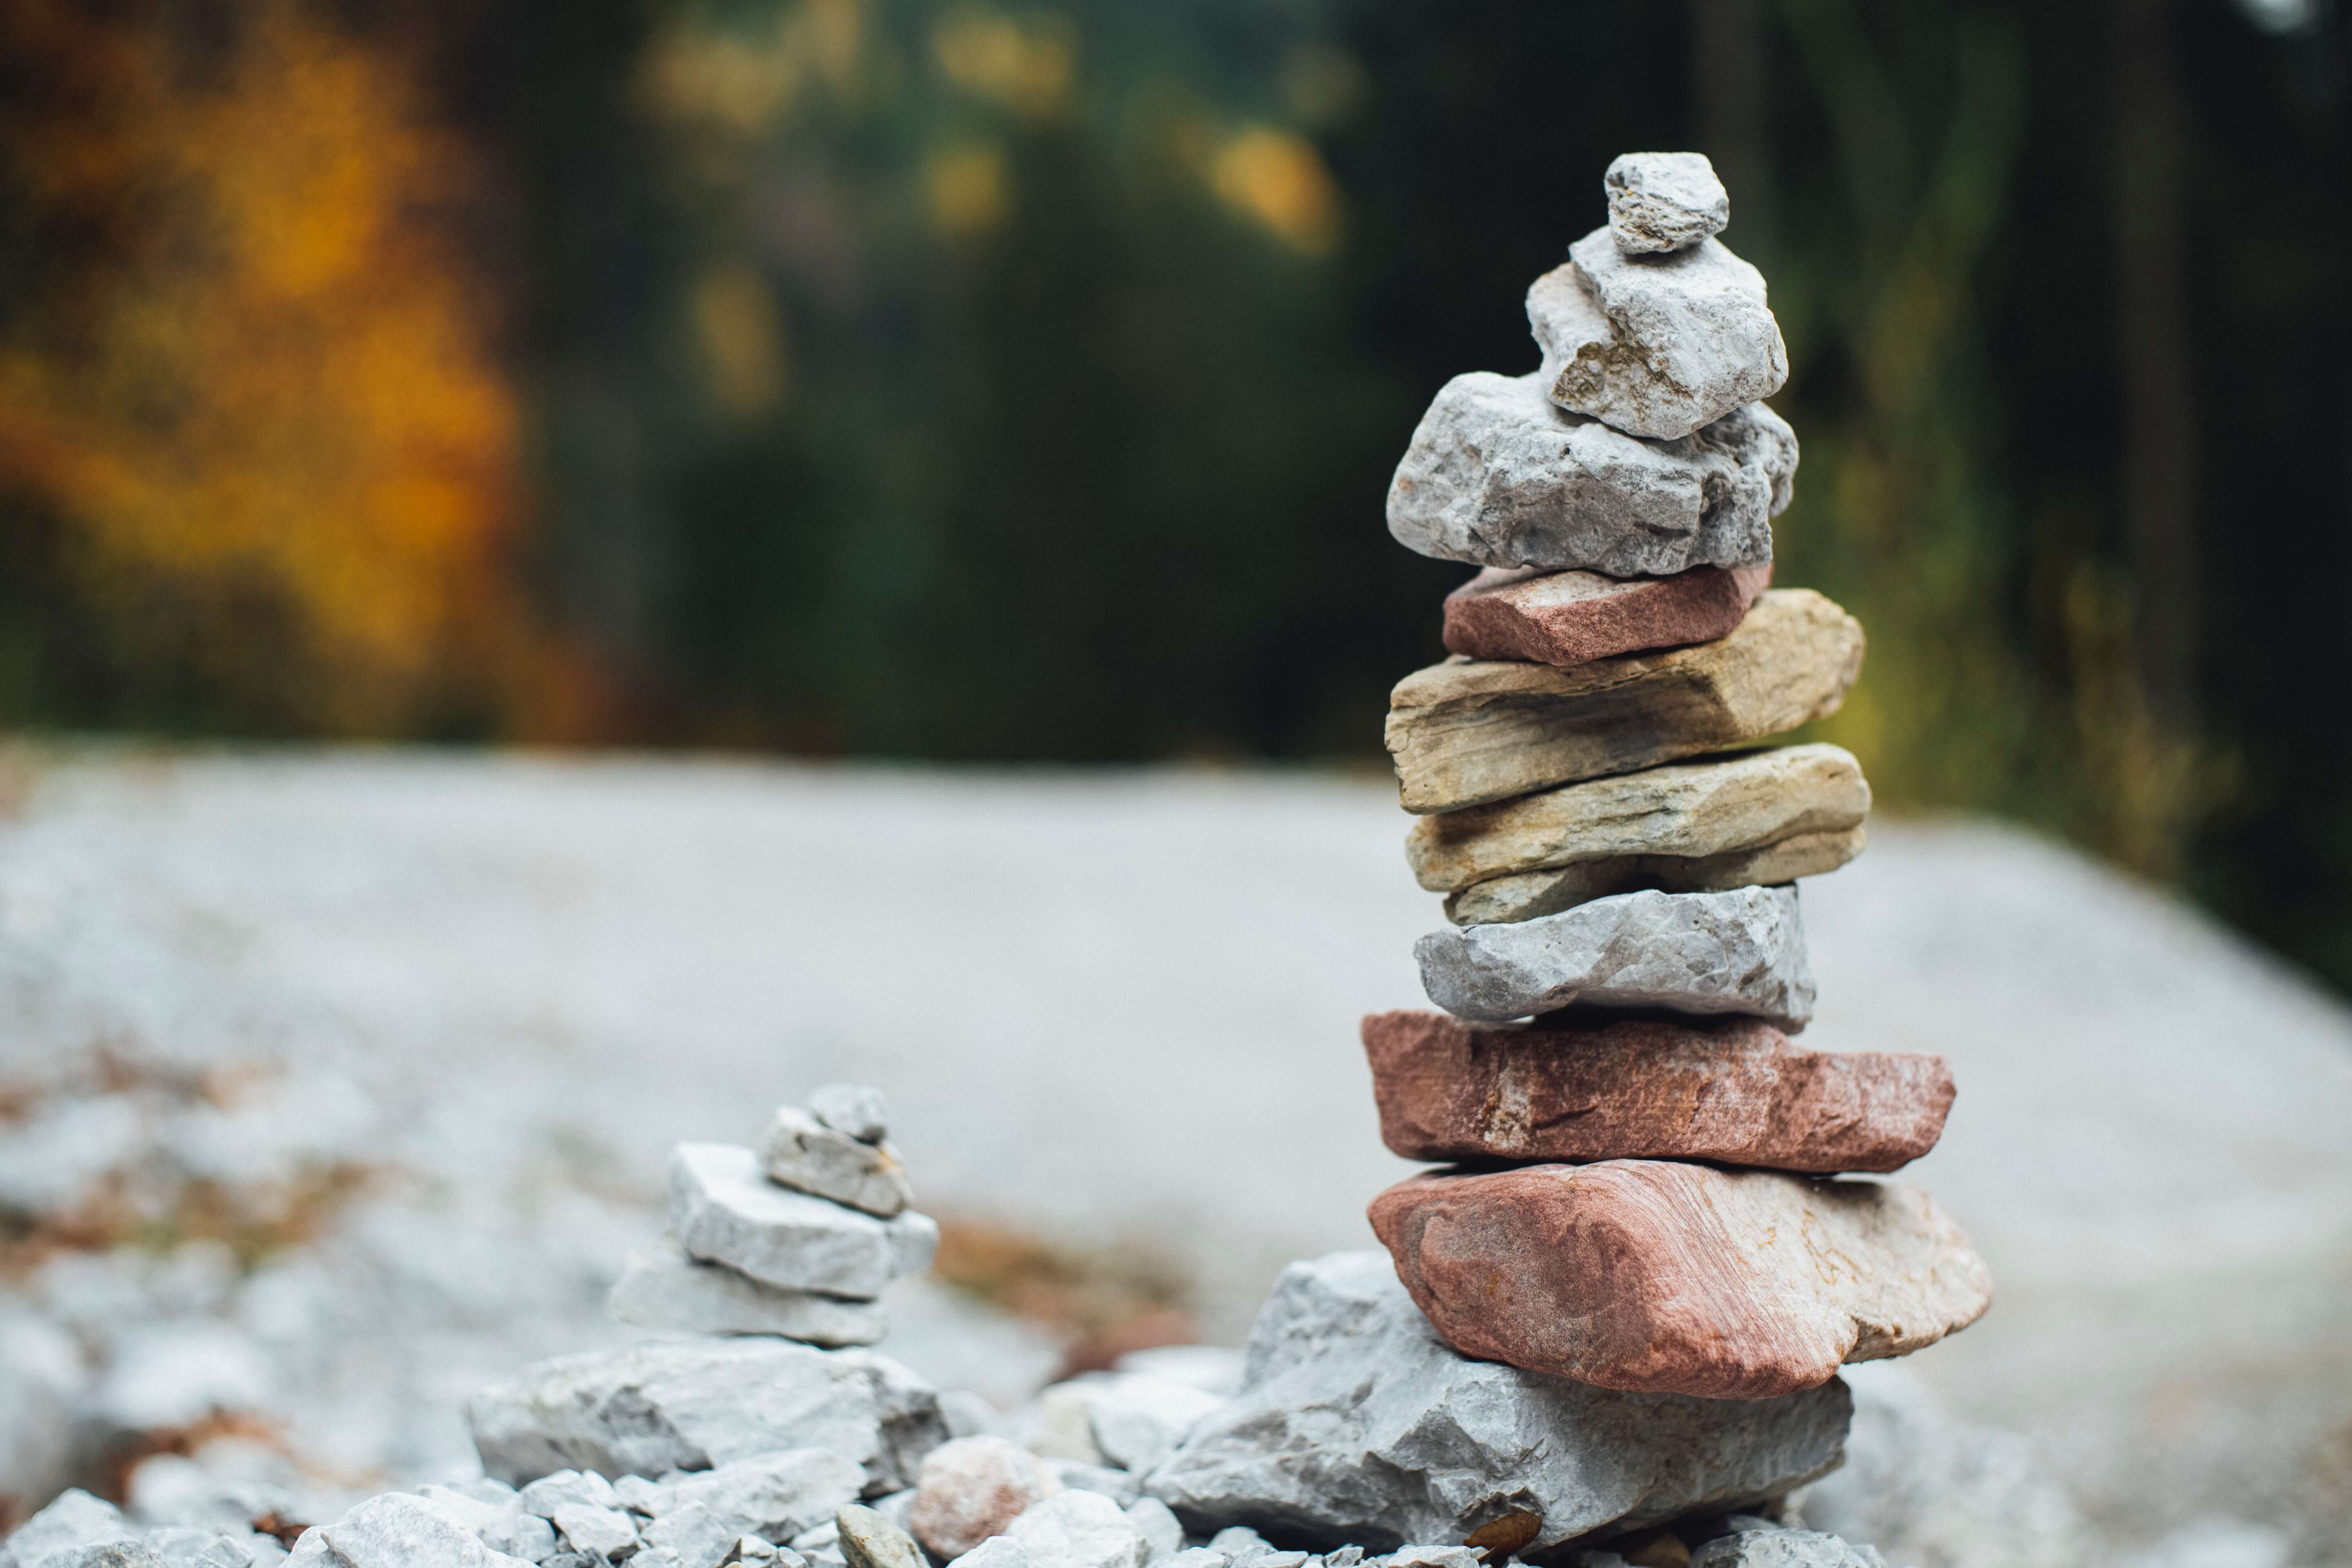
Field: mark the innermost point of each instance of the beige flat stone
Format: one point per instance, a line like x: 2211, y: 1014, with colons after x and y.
x: 1527, y: 895
x: 1468, y: 732
x: 1721, y: 806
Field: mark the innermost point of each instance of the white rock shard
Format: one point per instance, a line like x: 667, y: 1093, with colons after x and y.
x: 660, y: 1288
x: 394, y: 1531
x: 1496, y: 474
x: 1079, y: 1530
x: 1138, y: 1421
x: 813, y: 1156
x: 1784, y: 1548
x: 724, y: 1211
x: 857, y: 1108
x: 648, y: 1409
x: 1655, y: 345
x: 1664, y: 201
x: 1358, y: 1424
x: 74, y: 1518
x: 772, y: 1496
x: 1737, y: 951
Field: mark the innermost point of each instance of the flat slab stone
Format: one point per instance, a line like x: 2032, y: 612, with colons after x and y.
x: 1655, y: 345
x: 1745, y: 801
x: 1582, y: 1087
x: 1498, y: 474
x: 809, y: 1155
x: 1356, y: 1423
x: 1526, y: 895
x: 1574, y: 617
x: 660, y: 1288
x: 723, y: 1210
x: 1664, y: 201
x: 648, y: 1409
x: 1740, y: 952
x: 1468, y: 732
x: 1658, y: 1277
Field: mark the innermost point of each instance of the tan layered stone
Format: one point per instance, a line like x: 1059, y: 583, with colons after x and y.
x: 1468, y: 732
x: 1655, y: 1277
x: 1575, y: 617
x: 1596, y: 1086
x: 1529, y: 895
x: 1724, y: 810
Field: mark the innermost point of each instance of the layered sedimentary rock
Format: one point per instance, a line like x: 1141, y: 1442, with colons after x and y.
x: 1526, y: 895
x: 662, y: 1289
x: 1664, y: 201
x: 1468, y: 732
x: 725, y: 1211
x: 1578, y: 1086
x: 1719, y: 808
x: 1738, y: 952
x: 1573, y: 618
x: 1356, y: 1423
x: 1655, y: 345
x: 1496, y: 474
x: 1657, y: 1277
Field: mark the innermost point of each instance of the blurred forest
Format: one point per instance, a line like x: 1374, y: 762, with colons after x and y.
x: 942, y: 380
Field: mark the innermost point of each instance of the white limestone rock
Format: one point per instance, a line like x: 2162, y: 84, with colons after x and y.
x: 182, y: 1546
x: 998, y: 1552
x: 858, y: 1109
x: 596, y: 1531
x: 1664, y: 201
x: 723, y: 1211
x: 1655, y: 345
x: 651, y: 1408
x: 660, y: 1288
x: 1496, y: 474
x: 394, y: 1531
x: 1737, y: 951
x: 1356, y: 1423
x: 498, y: 1521
x: 1163, y: 1536
x: 107, y: 1554
x: 73, y: 1519
x: 811, y: 1156
x: 548, y: 1493
x: 1784, y: 1548
x: 1079, y: 1530
x: 690, y: 1531
x: 772, y: 1496
x: 1138, y: 1421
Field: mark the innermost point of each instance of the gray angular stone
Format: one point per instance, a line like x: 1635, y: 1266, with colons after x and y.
x: 179, y: 1546
x: 1472, y: 731
x: 1784, y: 1548
x: 723, y: 1211
x: 1434, y: 1557
x: 660, y: 1288
x: 1238, y: 1541
x: 1496, y: 474
x: 693, y: 1532
x: 1079, y: 1530
x: 394, y: 1531
x: 1664, y: 201
x: 596, y: 1531
x: 545, y: 1495
x: 495, y: 1516
x: 1358, y: 1424
x: 648, y: 1409
x: 1138, y: 1421
x: 1163, y: 1536
x: 1199, y: 1557
x: 106, y: 1554
x: 1655, y: 345
x: 870, y: 1541
x: 772, y: 1496
x: 805, y: 1154
x: 857, y: 1108
x: 998, y: 1552
x: 1737, y: 951
x: 1720, y: 806
x: 72, y: 1519
x: 750, y: 1548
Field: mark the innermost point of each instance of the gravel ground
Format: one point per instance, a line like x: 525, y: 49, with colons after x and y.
x: 407, y: 1035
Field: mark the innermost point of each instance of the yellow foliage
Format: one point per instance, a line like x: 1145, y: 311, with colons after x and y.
x: 1275, y: 177
x: 742, y: 341
x: 968, y: 189
x: 276, y: 387
x: 1028, y: 63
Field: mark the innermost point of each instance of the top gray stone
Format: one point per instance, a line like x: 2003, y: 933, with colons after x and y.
x: 1664, y: 201
x: 1655, y: 345
x: 857, y: 1108
x: 1356, y: 1422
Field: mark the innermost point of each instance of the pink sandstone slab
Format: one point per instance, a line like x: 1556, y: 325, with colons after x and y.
x: 1573, y: 618
x: 1655, y: 1277
x: 1580, y: 1088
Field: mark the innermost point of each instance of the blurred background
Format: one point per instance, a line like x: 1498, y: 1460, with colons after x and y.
x: 568, y: 572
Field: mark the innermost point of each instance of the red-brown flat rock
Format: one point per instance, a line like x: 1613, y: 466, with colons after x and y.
x: 1573, y: 618
x: 1655, y: 1277
x: 1734, y: 1090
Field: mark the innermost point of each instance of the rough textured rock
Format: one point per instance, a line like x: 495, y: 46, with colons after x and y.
x: 809, y: 1156
x: 394, y: 1531
x: 492, y: 1514
x: 566, y: 1488
x: 1578, y: 1086
x: 1715, y: 809
x: 1784, y: 1548
x: 772, y: 1496
x: 1162, y: 1532
x: 606, y: 1532
x: 648, y: 1409
x: 1079, y: 1530
x: 1498, y: 475
x: 1664, y: 201
x: 661, y: 1288
x: 1740, y: 952
x: 1468, y: 732
x: 72, y: 1518
x: 857, y: 1108
x: 973, y: 1489
x: 1657, y: 1276
x: 870, y: 1541
x: 996, y: 1552
x: 1358, y: 1425
x: 110, y: 1555
x: 1526, y: 895
x: 1655, y: 345
x: 1137, y: 1421
x: 1574, y: 617
x: 723, y: 1211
